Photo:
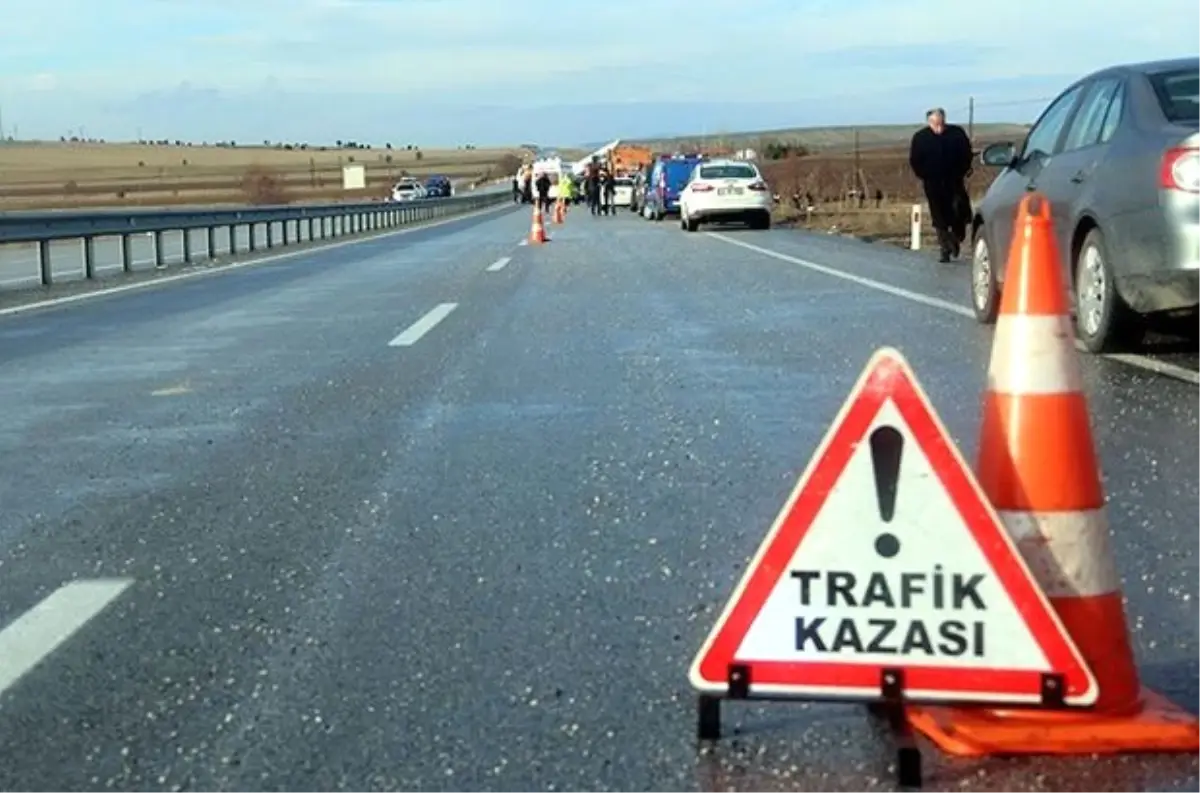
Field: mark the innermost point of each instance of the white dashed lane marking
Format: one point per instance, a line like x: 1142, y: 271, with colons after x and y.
x: 48, y: 625
x: 418, y: 329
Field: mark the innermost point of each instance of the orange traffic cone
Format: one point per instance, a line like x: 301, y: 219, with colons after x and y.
x: 537, y: 234
x: 560, y: 213
x: 1037, y: 463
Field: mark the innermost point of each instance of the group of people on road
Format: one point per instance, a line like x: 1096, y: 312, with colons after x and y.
x: 599, y: 188
x: 940, y: 157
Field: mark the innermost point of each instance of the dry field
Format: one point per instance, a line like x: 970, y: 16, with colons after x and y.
x: 62, y: 175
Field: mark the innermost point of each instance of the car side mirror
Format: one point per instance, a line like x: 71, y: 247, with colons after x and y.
x: 999, y: 155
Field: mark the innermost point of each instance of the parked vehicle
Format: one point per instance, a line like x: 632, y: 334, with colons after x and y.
x: 622, y: 191
x: 667, y: 178
x: 1117, y: 156
x: 725, y: 190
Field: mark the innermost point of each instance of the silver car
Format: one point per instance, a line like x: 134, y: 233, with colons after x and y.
x: 1117, y: 156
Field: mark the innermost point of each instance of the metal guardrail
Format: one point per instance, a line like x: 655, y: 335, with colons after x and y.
x: 280, y: 226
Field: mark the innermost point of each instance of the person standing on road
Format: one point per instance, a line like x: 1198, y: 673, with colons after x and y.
x: 610, y: 192
x: 940, y: 156
x: 543, y: 191
x: 592, y: 185
x: 516, y: 189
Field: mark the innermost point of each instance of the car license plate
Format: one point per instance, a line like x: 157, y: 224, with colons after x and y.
x: 729, y: 191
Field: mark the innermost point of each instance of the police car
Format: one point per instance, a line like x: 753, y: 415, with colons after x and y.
x: 725, y: 190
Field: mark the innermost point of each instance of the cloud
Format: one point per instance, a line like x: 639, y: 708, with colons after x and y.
x: 308, y: 59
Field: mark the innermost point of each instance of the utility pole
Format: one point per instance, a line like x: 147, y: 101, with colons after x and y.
x: 971, y: 118
x: 857, y: 167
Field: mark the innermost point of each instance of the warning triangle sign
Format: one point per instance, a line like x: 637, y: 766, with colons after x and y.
x: 888, y: 557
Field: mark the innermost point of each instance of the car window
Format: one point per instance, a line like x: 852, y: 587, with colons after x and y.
x: 1112, y: 117
x: 1178, y: 94
x: 728, y: 172
x: 1085, y: 127
x: 1043, y: 138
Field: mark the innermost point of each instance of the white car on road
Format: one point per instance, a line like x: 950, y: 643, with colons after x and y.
x: 725, y: 190
x: 622, y: 191
x: 408, y: 190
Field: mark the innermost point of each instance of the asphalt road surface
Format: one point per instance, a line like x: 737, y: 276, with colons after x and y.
x: 441, y: 511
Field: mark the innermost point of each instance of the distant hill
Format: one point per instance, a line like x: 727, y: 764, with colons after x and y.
x: 820, y: 138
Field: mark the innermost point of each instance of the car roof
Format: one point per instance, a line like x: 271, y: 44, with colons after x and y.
x: 727, y: 161
x: 1147, y: 67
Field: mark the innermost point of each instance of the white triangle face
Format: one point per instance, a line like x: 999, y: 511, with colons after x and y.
x: 935, y: 602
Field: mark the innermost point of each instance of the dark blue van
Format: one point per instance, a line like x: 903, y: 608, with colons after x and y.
x: 667, y: 179
x: 438, y: 186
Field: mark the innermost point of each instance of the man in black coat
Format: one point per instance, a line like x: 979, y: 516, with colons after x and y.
x: 940, y: 157
x: 543, y: 191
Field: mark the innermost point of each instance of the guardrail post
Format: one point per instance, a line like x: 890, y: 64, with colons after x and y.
x: 270, y: 235
x: 251, y: 236
x: 212, y: 242
x: 232, y: 230
x: 45, y: 266
x: 127, y: 253
x: 89, y: 257
x: 187, y: 246
x: 159, y: 262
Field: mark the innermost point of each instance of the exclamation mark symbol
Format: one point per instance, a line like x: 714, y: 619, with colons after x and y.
x: 887, y: 446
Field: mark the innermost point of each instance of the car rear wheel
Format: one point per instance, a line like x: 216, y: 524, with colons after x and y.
x: 1102, y: 320
x: 688, y: 223
x: 985, y: 290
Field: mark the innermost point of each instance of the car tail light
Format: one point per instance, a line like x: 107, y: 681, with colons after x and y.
x: 700, y: 187
x: 1180, y: 170
x: 758, y: 186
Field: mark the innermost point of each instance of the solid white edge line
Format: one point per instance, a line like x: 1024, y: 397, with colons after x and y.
x: 45, y: 627
x: 1138, y: 361
x: 413, y: 333
x: 233, y: 266
x: 522, y: 243
x: 499, y: 264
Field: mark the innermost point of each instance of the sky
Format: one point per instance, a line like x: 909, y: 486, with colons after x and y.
x: 552, y: 72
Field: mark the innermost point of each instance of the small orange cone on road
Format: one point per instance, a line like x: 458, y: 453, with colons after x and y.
x: 1037, y: 464
x: 560, y: 212
x: 537, y: 234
